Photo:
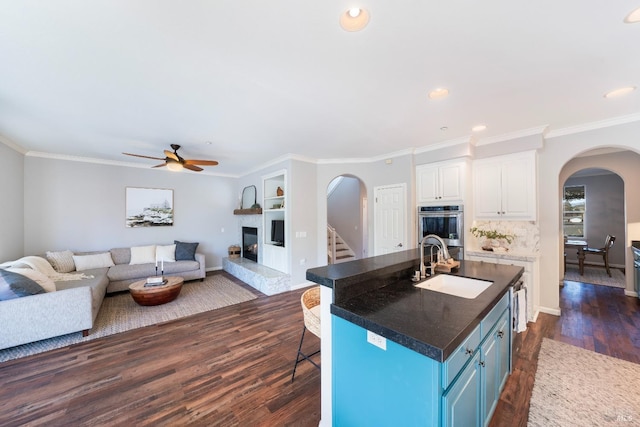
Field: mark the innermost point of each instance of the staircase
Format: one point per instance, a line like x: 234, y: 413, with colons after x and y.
x: 337, y: 250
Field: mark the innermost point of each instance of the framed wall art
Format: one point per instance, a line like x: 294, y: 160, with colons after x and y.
x: 148, y: 207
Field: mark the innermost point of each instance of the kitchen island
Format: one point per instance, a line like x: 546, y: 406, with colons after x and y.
x: 401, y: 355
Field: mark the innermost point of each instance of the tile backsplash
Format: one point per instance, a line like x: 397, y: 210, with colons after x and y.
x: 527, y: 235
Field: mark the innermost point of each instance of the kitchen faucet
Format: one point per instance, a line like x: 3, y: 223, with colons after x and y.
x: 441, y: 249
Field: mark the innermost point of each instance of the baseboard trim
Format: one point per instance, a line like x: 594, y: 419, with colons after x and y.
x: 548, y: 310
x: 302, y: 285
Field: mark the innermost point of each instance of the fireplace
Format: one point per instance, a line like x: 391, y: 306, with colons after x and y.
x: 250, y: 243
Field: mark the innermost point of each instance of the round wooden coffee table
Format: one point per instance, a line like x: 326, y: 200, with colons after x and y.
x: 156, y: 295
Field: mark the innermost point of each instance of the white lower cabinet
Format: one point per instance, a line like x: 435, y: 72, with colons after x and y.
x: 529, y: 277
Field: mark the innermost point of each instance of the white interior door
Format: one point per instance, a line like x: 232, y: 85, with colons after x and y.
x: 390, y: 232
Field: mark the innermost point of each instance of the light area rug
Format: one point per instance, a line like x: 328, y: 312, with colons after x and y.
x: 120, y: 313
x: 595, y: 276
x: 578, y: 387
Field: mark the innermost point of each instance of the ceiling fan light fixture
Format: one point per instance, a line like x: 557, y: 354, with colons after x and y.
x: 174, y: 166
x: 354, y: 19
x: 633, y: 17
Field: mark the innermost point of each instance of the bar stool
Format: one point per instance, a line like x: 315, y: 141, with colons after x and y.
x: 310, y: 301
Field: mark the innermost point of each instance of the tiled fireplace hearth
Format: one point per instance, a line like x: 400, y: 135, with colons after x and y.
x: 265, y: 279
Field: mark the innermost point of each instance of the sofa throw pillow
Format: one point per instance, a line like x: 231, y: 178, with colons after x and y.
x: 62, y: 261
x: 14, y: 285
x: 121, y: 255
x: 41, y: 279
x: 143, y: 254
x: 185, y: 251
x: 87, y: 262
x: 166, y: 253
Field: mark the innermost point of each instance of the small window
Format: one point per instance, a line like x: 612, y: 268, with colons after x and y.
x: 573, y: 211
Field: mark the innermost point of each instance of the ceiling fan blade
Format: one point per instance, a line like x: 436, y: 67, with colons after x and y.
x: 171, y: 155
x: 146, y: 157
x: 160, y: 165
x: 201, y: 162
x: 193, y: 168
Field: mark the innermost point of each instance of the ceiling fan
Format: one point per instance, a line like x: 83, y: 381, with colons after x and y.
x: 174, y: 162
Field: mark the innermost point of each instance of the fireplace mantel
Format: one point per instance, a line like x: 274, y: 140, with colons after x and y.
x: 252, y: 211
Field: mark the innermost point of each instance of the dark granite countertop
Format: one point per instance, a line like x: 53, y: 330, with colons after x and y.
x: 378, y: 295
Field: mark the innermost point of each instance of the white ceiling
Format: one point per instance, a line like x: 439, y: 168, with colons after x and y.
x: 261, y: 79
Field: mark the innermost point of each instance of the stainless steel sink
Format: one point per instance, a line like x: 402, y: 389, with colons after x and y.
x: 455, y: 285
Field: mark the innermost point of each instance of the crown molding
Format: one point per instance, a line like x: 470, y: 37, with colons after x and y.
x: 538, y: 130
x: 9, y: 143
x: 594, y: 125
x: 80, y: 159
x: 374, y: 159
x: 283, y: 158
x: 469, y: 139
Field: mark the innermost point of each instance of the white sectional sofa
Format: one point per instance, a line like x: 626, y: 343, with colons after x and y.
x: 74, y: 305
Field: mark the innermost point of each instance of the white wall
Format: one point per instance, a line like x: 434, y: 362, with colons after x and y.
x: 12, y: 212
x: 558, y: 151
x: 81, y: 207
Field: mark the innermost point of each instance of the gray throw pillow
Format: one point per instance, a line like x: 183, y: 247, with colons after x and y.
x: 14, y: 285
x: 185, y: 251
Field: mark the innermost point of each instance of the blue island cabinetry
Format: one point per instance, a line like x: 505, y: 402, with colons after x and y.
x: 393, y: 386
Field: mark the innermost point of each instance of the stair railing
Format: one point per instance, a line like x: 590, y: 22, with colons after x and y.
x: 331, y: 236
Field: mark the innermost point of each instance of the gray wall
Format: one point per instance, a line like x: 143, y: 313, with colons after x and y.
x: 605, y: 215
x: 81, y: 206
x: 302, y: 210
x: 12, y: 212
x: 344, y: 212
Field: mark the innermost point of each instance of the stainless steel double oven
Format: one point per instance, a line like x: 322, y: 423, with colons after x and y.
x: 445, y: 221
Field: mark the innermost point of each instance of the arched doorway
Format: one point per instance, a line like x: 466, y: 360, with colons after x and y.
x: 593, y: 207
x: 604, y: 173
x: 347, y: 237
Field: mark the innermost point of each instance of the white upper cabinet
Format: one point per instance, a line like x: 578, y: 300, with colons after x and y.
x: 504, y: 187
x: 440, y: 182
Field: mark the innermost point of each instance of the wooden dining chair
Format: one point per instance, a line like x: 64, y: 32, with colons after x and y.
x: 603, y: 251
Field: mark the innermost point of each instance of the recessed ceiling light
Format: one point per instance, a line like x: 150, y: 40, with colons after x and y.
x: 633, y: 17
x: 478, y: 128
x: 354, y: 19
x: 619, y: 92
x: 439, y: 93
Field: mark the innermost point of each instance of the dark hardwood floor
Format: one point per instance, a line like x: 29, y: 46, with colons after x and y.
x: 232, y: 366
x: 594, y: 317
x: 226, y: 367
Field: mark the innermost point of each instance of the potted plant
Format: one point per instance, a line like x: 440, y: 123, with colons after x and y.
x: 492, y: 236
